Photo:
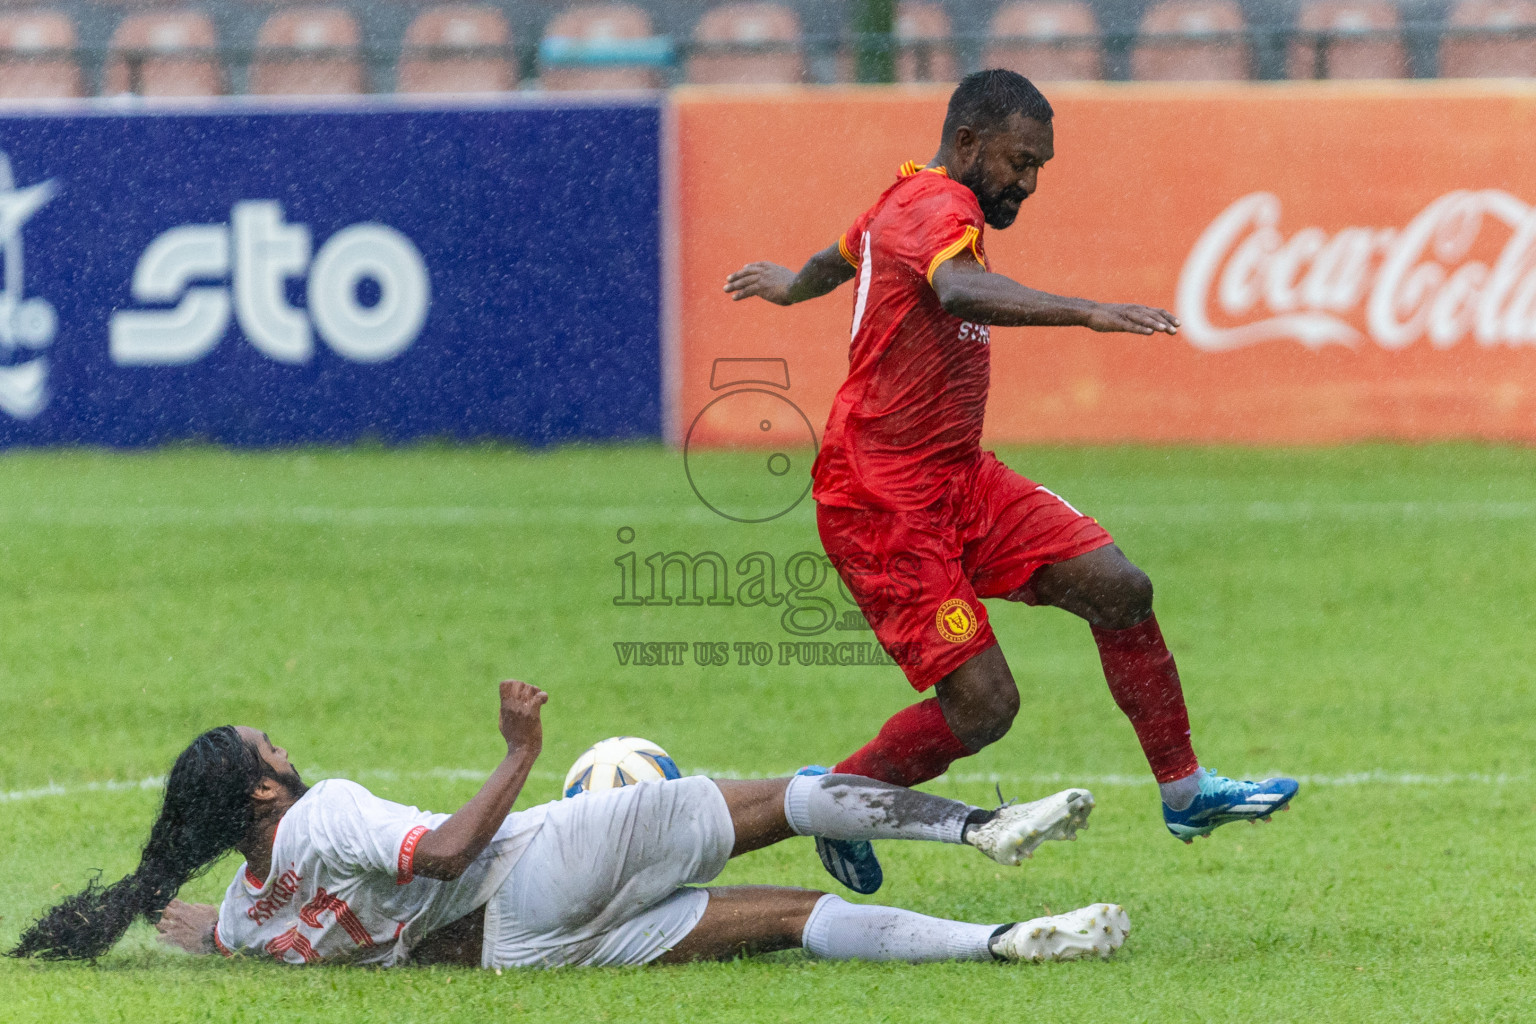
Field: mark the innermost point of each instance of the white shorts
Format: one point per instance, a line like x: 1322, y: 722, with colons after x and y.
x: 602, y: 884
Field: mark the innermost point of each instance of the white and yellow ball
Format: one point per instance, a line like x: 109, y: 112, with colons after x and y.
x: 619, y: 761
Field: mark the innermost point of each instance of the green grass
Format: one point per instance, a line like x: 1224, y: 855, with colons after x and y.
x: 1362, y: 616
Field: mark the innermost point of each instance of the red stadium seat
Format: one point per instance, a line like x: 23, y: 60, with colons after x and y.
x: 1347, y: 52
x: 1182, y: 54
x: 440, y: 52
x: 1489, y: 56
x: 730, y: 33
x: 170, y: 56
x: 309, y: 52
x: 599, y: 23
x: 34, y: 58
x: 1023, y: 37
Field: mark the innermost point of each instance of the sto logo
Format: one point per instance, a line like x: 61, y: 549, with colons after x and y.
x: 26, y: 325
x: 258, y: 252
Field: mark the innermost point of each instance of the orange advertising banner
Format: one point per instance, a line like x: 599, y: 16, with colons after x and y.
x: 1349, y: 261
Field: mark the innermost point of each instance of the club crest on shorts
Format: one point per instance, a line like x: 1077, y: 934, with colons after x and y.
x: 956, y: 620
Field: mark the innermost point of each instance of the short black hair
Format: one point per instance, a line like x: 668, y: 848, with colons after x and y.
x: 986, y: 99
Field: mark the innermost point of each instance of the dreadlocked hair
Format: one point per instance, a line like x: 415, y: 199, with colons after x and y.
x: 207, y: 810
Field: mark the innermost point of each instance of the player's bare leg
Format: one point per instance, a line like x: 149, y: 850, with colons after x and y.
x: 745, y: 919
x: 979, y: 699
x: 1115, y: 598
x: 1102, y: 587
x: 757, y: 812
x: 750, y: 919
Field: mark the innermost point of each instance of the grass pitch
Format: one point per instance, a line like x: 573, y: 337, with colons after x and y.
x: 1362, y: 617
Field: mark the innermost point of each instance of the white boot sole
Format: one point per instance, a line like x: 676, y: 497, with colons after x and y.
x: 1096, y: 930
x: 1017, y: 832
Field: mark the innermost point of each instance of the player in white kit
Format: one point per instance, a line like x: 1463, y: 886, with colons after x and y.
x: 335, y: 874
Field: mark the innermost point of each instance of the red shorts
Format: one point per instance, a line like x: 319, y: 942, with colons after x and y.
x: 918, y: 576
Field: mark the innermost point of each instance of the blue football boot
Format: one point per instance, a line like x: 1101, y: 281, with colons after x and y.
x: 1222, y: 800
x: 850, y: 861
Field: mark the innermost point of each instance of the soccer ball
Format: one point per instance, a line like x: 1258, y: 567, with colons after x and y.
x: 619, y: 761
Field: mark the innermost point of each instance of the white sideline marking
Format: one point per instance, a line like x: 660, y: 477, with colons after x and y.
x: 667, y: 513
x: 1370, y: 778
x: 54, y: 789
x: 322, y: 515
x: 1347, y: 511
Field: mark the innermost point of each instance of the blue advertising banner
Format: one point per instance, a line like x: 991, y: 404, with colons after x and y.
x: 266, y: 276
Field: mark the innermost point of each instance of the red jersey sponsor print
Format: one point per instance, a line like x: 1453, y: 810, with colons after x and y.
x: 909, y: 416
x: 280, y: 894
x: 325, y: 903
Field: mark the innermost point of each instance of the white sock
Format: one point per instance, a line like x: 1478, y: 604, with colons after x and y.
x: 853, y: 807
x: 839, y: 930
x: 1180, y: 793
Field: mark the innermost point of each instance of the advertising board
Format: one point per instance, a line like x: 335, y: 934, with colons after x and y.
x: 1349, y: 260
x: 249, y: 275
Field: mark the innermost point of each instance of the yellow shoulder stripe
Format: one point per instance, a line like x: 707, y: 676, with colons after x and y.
x: 967, y: 240
x: 847, y: 253
x: 911, y: 167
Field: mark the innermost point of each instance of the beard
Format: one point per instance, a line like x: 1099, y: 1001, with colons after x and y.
x: 999, y: 207
x: 290, y: 781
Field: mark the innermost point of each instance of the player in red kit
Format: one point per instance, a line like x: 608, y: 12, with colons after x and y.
x: 921, y: 523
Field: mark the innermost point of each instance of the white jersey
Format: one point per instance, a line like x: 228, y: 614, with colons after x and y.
x: 342, y: 886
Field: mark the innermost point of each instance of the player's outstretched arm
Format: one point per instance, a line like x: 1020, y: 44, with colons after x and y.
x: 971, y: 292
x: 449, y: 849
x: 783, y: 287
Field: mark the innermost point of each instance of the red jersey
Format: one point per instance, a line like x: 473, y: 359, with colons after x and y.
x: 910, y: 413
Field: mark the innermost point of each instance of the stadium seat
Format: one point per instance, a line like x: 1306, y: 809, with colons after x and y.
x: 1490, y: 56
x: 170, y: 55
x: 309, y: 52
x: 619, y: 37
x: 924, y: 52
x: 1024, y: 39
x: 35, y: 62
x: 1347, y: 52
x: 447, y: 49
x: 1192, y: 40
x: 748, y: 44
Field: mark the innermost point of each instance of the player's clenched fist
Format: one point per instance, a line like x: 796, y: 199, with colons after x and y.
x: 520, y: 725
x: 1134, y: 319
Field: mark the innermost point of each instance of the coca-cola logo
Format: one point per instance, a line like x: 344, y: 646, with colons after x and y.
x: 1465, y: 267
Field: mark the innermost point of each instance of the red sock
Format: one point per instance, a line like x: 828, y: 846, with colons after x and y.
x: 1145, y: 683
x: 914, y: 746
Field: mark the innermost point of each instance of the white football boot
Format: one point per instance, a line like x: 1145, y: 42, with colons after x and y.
x: 1017, y: 830
x: 1096, y: 930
